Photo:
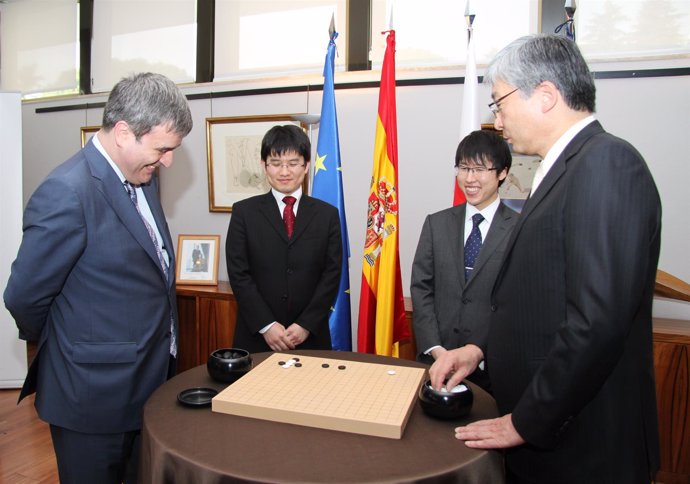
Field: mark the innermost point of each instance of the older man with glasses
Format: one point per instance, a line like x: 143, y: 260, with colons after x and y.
x: 569, y: 350
x: 284, y: 253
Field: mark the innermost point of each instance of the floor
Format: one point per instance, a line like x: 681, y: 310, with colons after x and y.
x: 26, y: 450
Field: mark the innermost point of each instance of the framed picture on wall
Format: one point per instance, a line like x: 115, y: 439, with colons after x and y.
x: 87, y: 132
x: 197, y: 259
x: 516, y: 187
x: 233, y: 145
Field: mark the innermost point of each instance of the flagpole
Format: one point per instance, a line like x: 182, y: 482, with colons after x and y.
x: 469, y: 119
x: 328, y: 186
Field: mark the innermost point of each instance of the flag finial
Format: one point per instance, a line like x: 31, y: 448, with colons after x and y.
x: 569, y: 23
x: 331, y: 28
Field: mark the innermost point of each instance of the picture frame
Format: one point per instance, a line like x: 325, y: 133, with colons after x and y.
x: 516, y: 187
x: 197, y: 259
x: 87, y: 132
x: 233, y: 146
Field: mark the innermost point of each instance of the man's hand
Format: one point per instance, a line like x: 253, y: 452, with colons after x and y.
x: 497, y: 433
x: 296, y: 334
x: 455, y: 365
x: 277, y: 339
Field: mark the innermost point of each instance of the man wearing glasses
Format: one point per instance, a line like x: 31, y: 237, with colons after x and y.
x: 569, y: 349
x: 458, y: 256
x: 283, y: 253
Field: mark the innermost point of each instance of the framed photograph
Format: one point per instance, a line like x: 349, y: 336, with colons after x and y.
x: 87, y: 132
x: 197, y: 259
x: 233, y: 145
x: 517, y: 185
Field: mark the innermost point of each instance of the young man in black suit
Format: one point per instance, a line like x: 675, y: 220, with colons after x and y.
x: 284, y: 253
x: 569, y: 350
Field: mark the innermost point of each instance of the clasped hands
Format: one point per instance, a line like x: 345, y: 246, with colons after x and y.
x: 454, y: 365
x: 279, y: 338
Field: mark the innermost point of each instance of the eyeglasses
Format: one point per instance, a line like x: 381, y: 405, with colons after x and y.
x: 277, y: 165
x: 495, y: 108
x: 477, y: 171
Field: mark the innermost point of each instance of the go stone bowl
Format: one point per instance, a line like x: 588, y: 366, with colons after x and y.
x: 227, y: 365
x: 446, y: 404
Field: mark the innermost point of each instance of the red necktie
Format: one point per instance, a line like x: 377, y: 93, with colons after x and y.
x: 289, y: 215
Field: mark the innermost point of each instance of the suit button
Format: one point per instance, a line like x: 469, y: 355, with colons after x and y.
x: 456, y: 330
x: 289, y: 271
x: 466, y: 300
x: 284, y: 297
x: 494, y: 308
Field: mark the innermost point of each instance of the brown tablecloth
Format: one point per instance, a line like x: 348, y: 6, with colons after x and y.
x: 195, y: 445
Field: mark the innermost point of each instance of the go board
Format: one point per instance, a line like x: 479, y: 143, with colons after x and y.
x: 349, y: 396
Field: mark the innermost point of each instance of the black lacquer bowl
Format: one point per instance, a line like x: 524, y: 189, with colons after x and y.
x: 447, y: 405
x: 227, y: 365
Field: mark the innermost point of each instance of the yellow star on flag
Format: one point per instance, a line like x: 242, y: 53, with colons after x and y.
x: 318, y: 163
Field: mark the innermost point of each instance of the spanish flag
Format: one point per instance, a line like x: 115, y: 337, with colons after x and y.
x: 381, y: 308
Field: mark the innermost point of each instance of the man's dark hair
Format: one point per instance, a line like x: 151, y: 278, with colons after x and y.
x: 283, y: 139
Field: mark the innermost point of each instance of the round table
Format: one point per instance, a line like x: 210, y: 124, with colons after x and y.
x: 195, y: 445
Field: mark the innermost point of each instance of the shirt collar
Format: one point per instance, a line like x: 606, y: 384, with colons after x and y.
x: 97, y: 143
x: 560, y: 144
x: 488, y: 212
x: 279, y: 196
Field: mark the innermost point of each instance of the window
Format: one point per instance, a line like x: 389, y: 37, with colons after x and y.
x: 434, y: 32
x: 632, y: 29
x: 142, y: 35
x: 45, y: 64
x: 278, y: 37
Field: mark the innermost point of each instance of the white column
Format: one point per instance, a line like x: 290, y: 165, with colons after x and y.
x: 12, y: 350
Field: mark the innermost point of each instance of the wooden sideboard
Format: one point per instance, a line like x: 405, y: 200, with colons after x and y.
x: 207, y: 317
x: 672, y: 373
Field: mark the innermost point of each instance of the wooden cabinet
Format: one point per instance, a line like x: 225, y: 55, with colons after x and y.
x: 672, y: 372
x: 207, y: 317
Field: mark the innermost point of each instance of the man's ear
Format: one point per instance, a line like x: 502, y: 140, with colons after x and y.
x: 549, y: 95
x: 122, y: 132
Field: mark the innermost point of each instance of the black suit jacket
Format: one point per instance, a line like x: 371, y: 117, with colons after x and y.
x: 276, y: 279
x: 570, y: 344
x: 88, y: 286
x: 447, y: 310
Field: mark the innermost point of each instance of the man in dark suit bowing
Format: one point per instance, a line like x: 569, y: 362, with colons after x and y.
x: 570, y: 345
x: 284, y: 253
x: 94, y: 283
x: 458, y: 256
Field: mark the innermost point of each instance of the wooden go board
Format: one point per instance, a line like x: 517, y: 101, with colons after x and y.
x: 349, y: 396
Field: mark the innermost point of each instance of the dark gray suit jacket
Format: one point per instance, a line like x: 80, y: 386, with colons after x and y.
x: 88, y: 286
x: 276, y: 279
x: 570, y: 343
x: 447, y: 311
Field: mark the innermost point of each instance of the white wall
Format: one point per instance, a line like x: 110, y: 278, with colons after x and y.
x: 652, y: 113
x: 12, y: 350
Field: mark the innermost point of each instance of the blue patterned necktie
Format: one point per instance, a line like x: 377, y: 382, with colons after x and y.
x: 131, y: 191
x: 473, y: 245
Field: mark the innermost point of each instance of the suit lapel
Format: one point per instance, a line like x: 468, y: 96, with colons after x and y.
x: 269, y: 208
x: 457, y: 235
x: 497, y: 232
x: 305, y: 213
x: 556, y: 172
x: 109, y: 184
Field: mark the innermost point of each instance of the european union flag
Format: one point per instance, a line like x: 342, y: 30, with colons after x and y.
x: 328, y: 186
